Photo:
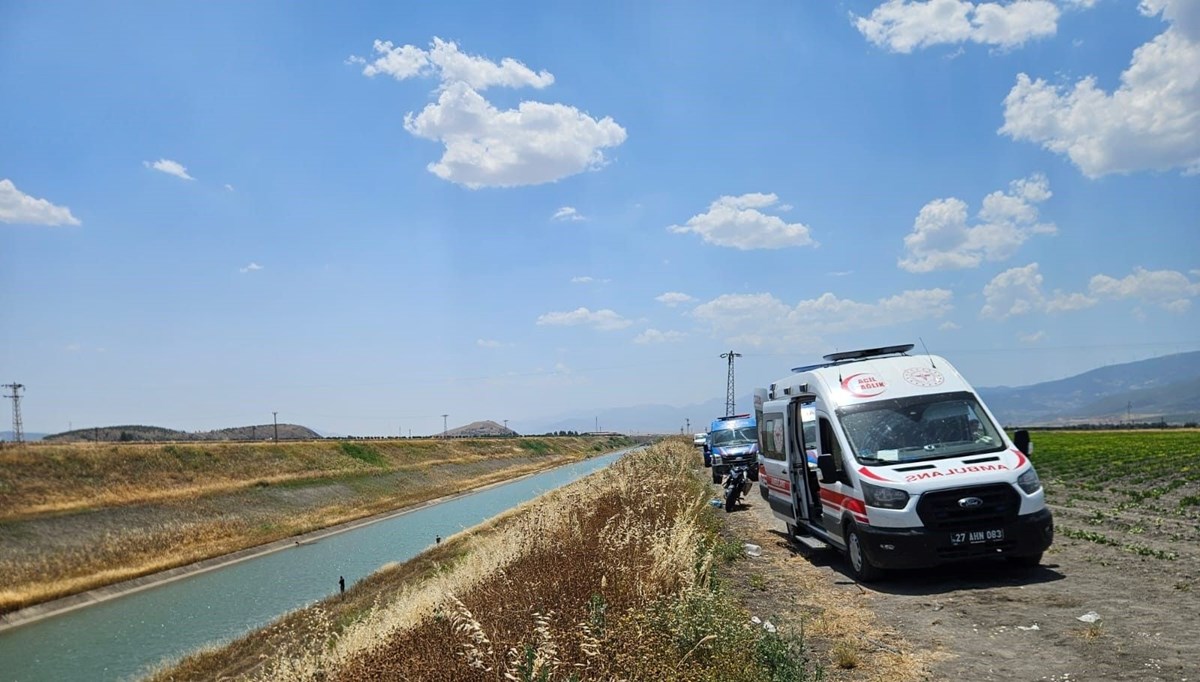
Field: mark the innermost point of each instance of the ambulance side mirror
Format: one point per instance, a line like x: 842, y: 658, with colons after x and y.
x: 1021, y: 440
x: 825, y: 466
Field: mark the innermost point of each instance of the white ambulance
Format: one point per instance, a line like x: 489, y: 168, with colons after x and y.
x: 894, y: 459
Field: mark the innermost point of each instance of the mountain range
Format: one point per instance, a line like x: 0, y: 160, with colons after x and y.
x: 1166, y: 388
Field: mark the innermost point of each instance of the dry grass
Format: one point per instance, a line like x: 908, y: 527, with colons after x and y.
x: 50, y: 478
x: 606, y: 579
x: 141, y: 529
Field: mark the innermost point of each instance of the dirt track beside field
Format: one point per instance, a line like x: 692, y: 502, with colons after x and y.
x: 991, y: 621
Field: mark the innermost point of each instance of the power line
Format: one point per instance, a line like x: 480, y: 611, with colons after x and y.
x: 18, y: 430
x: 729, y: 398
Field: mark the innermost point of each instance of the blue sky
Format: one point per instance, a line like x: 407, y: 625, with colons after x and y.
x: 366, y: 216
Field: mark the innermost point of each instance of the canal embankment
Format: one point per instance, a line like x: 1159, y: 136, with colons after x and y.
x: 130, y: 634
x: 77, y: 519
x: 612, y: 577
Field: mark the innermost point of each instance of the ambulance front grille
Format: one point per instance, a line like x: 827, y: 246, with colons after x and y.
x: 941, y: 509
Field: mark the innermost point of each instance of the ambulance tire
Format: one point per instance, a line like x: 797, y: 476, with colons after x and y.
x: 856, y: 558
x: 762, y: 490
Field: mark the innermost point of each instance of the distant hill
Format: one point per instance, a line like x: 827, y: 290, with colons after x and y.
x: 483, y: 429
x: 28, y: 437
x: 136, y: 433
x: 1158, y: 389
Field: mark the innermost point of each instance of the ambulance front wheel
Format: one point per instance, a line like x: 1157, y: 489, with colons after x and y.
x: 860, y: 566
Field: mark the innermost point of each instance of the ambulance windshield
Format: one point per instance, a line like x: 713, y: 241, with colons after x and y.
x: 919, y: 428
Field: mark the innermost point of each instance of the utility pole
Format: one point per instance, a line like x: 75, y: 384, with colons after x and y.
x: 687, y: 425
x: 18, y: 430
x: 729, y: 396
x: 275, y: 419
x: 506, y: 427
x: 597, y: 424
x: 444, y: 430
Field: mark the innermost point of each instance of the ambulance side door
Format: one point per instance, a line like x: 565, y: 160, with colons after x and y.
x: 774, y: 479
x: 837, y: 496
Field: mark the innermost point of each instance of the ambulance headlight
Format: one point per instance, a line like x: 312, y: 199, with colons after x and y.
x: 1029, y: 481
x: 884, y: 498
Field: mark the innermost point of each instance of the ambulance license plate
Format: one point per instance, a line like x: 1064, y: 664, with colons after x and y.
x: 977, y: 537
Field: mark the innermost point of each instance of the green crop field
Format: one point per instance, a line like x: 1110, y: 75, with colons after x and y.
x: 1138, y: 465
x: 1136, y: 491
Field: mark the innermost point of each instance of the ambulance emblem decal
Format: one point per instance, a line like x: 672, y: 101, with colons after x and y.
x: 926, y: 377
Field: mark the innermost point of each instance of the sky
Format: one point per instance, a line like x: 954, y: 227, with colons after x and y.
x: 363, y: 216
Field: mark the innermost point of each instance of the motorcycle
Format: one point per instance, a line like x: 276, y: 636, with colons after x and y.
x: 737, y: 483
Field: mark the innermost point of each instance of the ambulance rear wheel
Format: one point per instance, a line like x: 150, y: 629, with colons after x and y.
x: 860, y: 566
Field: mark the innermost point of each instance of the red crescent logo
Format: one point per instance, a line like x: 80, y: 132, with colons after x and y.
x: 865, y: 385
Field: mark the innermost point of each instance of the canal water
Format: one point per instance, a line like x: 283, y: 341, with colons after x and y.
x: 124, y: 638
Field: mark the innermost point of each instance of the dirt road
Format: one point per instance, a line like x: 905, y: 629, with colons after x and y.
x: 990, y: 621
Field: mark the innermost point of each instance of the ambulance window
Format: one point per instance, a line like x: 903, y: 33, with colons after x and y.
x: 772, y: 436
x: 830, y: 445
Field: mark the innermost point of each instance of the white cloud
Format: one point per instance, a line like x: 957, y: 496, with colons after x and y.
x: 488, y: 343
x: 674, y: 298
x: 18, y: 207
x: 489, y: 147
x: 169, y: 167
x: 904, y: 25
x: 567, y: 213
x: 586, y: 279
x: 250, y: 268
x: 949, y: 326
x: 738, y: 222
x: 943, y: 239
x: 228, y: 187
x: 1150, y: 122
x: 655, y: 336
x: 444, y: 60
x: 762, y: 319
x: 1032, y: 338
x: 1018, y: 291
x: 602, y: 320
x: 532, y: 144
x: 1169, y: 289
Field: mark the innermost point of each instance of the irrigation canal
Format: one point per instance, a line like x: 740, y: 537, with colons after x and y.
x: 126, y: 637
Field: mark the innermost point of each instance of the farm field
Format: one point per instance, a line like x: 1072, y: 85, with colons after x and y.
x: 1136, y: 491
x: 77, y: 517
